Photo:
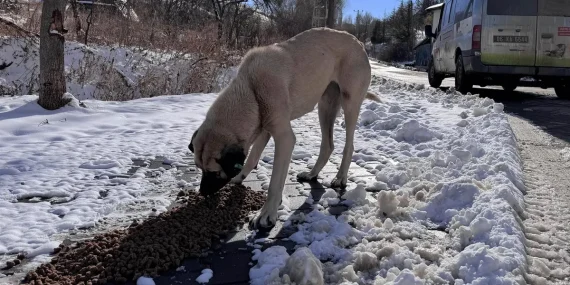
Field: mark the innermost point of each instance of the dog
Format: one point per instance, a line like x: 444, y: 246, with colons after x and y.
x: 274, y: 85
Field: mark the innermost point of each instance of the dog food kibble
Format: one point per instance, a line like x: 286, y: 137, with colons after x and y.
x: 153, y: 246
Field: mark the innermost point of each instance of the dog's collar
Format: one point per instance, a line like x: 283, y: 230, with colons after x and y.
x: 238, y: 166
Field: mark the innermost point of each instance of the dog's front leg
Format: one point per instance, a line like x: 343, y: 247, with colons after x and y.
x: 284, y: 144
x: 253, y: 158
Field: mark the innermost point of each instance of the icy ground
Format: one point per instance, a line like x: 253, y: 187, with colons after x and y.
x: 443, y: 206
x: 125, y: 70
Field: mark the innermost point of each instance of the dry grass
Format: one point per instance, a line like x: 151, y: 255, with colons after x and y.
x: 210, y: 56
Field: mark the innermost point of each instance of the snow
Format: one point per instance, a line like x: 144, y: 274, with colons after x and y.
x: 145, y: 281
x: 388, y: 202
x: 205, y: 277
x: 329, y: 198
x: 71, y: 155
x: 442, y: 204
x: 46, y: 248
x: 565, y: 153
x: 275, y: 266
x: 356, y: 196
x: 450, y: 195
x: 269, y: 264
x: 303, y: 268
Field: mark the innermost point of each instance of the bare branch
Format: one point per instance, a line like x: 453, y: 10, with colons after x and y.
x: 11, y: 24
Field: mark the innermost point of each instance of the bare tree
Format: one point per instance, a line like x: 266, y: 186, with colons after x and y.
x: 52, y: 80
x: 76, y: 19
x: 331, y: 14
x: 220, y: 8
x: 89, y: 23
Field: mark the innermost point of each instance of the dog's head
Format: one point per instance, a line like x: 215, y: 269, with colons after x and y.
x: 220, y: 158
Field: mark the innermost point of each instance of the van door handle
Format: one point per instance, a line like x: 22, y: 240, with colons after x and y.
x: 518, y: 30
x: 500, y: 30
x: 547, y: 36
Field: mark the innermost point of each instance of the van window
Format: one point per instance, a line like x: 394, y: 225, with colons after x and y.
x: 449, y: 16
x: 558, y: 8
x: 463, y: 10
x: 513, y: 7
x: 452, y: 12
x: 445, y: 17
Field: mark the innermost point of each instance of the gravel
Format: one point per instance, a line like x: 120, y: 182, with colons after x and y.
x: 154, y: 246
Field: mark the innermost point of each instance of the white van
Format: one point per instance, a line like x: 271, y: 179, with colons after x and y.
x: 499, y: 42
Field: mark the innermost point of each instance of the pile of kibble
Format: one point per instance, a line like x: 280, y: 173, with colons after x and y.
x: 152, y: 247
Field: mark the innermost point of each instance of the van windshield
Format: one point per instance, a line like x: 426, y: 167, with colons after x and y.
x: 514, y: 7
x: 557, y: 8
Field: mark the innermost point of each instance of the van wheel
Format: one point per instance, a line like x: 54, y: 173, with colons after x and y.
x: 434, y: 79
x: 509, y: 87
x: 463, y: 81
x: 563, y: 91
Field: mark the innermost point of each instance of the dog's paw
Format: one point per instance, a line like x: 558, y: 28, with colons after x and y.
x: 265, y: 219
x: 238, y: 179
x: 339, y: 183
x: 306, y: 176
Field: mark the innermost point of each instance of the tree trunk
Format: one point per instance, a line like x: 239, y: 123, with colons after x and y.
x: 331, y: 13
x: 89, y: 22
x: 52, y: 80
x: 76, y: 19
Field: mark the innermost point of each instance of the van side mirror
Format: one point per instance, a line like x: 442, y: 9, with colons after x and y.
x: 428, y: 31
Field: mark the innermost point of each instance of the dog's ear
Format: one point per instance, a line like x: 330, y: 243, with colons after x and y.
x: 232, y: 160
x: 191, y: 145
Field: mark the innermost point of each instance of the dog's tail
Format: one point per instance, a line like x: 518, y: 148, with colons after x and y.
x: 373, y: 97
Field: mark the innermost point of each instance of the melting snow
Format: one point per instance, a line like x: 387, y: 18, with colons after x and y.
x: 450, y: 194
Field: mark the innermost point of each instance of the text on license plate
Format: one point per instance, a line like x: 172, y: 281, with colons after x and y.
x: 510, y: 39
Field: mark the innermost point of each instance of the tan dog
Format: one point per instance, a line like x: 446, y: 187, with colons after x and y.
x: 275, y: 85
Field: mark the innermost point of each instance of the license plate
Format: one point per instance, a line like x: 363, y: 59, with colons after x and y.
x: 510, y: 39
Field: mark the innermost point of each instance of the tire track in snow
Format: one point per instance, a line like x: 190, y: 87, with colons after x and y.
x: 547, y: 204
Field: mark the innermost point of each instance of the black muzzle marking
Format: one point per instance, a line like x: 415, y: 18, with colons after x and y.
x: 211, y: 183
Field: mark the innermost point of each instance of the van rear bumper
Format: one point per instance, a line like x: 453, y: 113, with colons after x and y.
x: 473, y: 65
x: 553, y: 71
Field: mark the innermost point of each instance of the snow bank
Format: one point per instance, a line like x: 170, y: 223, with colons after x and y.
x: 102, y: 71
x: 450, y: 195
x: 60, y: 166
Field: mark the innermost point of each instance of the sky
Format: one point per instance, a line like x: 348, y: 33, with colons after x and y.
x: 375, y: 7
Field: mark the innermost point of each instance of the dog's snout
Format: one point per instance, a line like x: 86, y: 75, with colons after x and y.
x: 211, y: 183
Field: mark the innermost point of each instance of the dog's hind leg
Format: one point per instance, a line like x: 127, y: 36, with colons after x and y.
x: 329, y: 106
x: 351, y: 107
x: 253, y: 157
